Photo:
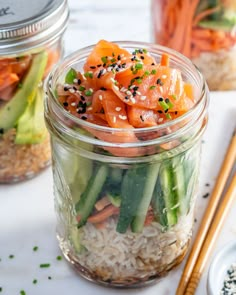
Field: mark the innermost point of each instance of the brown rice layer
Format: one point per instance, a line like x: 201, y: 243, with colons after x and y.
x: 22, y: 161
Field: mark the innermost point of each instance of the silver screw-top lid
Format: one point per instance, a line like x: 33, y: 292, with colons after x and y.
x: 28, y: 23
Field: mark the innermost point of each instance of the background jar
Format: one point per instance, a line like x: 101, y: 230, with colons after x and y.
x: 158, y: 175
x: 30, y: 44
x: 203, y: 31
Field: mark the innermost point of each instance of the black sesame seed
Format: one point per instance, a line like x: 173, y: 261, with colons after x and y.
x: 167, y: 100
x: 206, y: 195
x: 65, y: 104
x: 100, y: 74
x: 153, y: 64
x: 66, y: 88
x: 176, y: 112
x: 123, y: 65
x: 159, y: 111
x: 166, y: 111
x: 74, y: 88
x: 103, y: 88
x: 79, y: 81
x: 135, y: 88
x: 104, y: 65
x: 159, y: 82
x: 142, y: 57
x: 160, y: 99
x: 49, y: 278
x: 82, y: 97
x: 126, y: 97
x: 92, y: 67
x: 99, y: 65
x: 134, y: 93
x: 207, y: 184
x: 84, y: 118
x: 119, y: 57
x: 141, y: 117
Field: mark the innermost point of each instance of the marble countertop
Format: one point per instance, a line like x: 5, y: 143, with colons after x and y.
x: 26, y: 213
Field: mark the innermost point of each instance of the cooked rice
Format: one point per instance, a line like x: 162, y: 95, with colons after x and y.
x: 21, y: 161
x: 116, y: 257
x: 218, y: 68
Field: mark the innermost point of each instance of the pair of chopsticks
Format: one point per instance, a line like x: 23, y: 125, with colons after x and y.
x: 209, y: 228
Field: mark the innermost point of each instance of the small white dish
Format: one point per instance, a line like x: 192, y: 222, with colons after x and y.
x: 220, y: 263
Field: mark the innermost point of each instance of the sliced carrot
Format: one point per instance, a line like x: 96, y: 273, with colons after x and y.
x: 102, y: 203
x: 165, y: 60
x: 104, y: 214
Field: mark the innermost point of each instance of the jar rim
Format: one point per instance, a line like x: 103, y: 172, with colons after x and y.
x: 72, y: 58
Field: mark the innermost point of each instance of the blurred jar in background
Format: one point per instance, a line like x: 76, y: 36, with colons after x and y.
x: 30, y: 44
x: 203, y: 30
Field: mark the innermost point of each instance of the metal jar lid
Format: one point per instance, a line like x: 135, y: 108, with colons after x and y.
x: 26, y: 24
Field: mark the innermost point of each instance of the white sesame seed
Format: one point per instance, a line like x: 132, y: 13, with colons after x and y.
x: 73, y: 104
x: 160, y: 120
x: 114, y: 119
x: 123, y: 89
x: 113, y: 80
x: 83, y: 76
x: 131, y: 87
x: 161, y: 89
x: 75, y: 81
x: 132, y: 99
x: 139, y: 93
x: 104, y: 71
x: 109, y: 69
x: 118, y: 109
x: 90, y: 89
x: 143, y: 97
x: 164, y: 76
x: 122, y: 55
x: 72, y: 90
x: 116, y: 88
x: 128, y: 92
x: 100, y: 97
x: 122, y: 117
x: 89, y: 109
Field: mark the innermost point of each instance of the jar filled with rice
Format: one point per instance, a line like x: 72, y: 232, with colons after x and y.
x: 30, y: 44
x: 126, y: 121
x: 203, y: 30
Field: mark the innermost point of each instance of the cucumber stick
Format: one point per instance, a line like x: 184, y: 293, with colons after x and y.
x: 169, y: 195
x: 149, y: 185
x: 88, y: 198
x: 158, y: 205
x: 131, y: 194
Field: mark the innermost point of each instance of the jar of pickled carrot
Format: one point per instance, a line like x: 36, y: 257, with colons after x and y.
x: 30, y: 44
x: 202, y: 30
x: 126, y: 121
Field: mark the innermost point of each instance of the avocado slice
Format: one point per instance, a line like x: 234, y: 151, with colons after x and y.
x: 12, y: 110
x: 223, y: 25
x: 31, y: 128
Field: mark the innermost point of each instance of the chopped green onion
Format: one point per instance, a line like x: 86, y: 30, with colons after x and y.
x: 81, y: 88
x: 152, y: 87
x: 139, y: 81
x: 11, y: 256
x: 138, y: 66
x: 59, y: 258
x: 88, y: 92
x: 70, y: 76
x: 22, y: 292
x: 104, y: 59
x: 113, y: 60
x: 35, y: 281
x: 164, y: 105
x: 170, y: 105
x: 174, y: 96
x: 35, y: 248
x: 168, y: 116
x: 146, y: 73
x: 135, y: 72
x: 88, y: 75
x: 113, y: 54
x: 145, y: 50
x: 153, y: 72
x: 44, y: 265
x: 88, y: 103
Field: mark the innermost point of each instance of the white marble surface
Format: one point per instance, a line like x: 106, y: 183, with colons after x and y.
x: 26, y: 211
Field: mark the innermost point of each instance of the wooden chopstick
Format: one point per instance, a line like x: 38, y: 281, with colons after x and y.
x: 213, y: 232
x: 209, y: 213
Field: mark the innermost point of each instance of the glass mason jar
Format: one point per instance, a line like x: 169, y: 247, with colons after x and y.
x: 203, y: 31
x: 145, y: 190
x: 30, y: 44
